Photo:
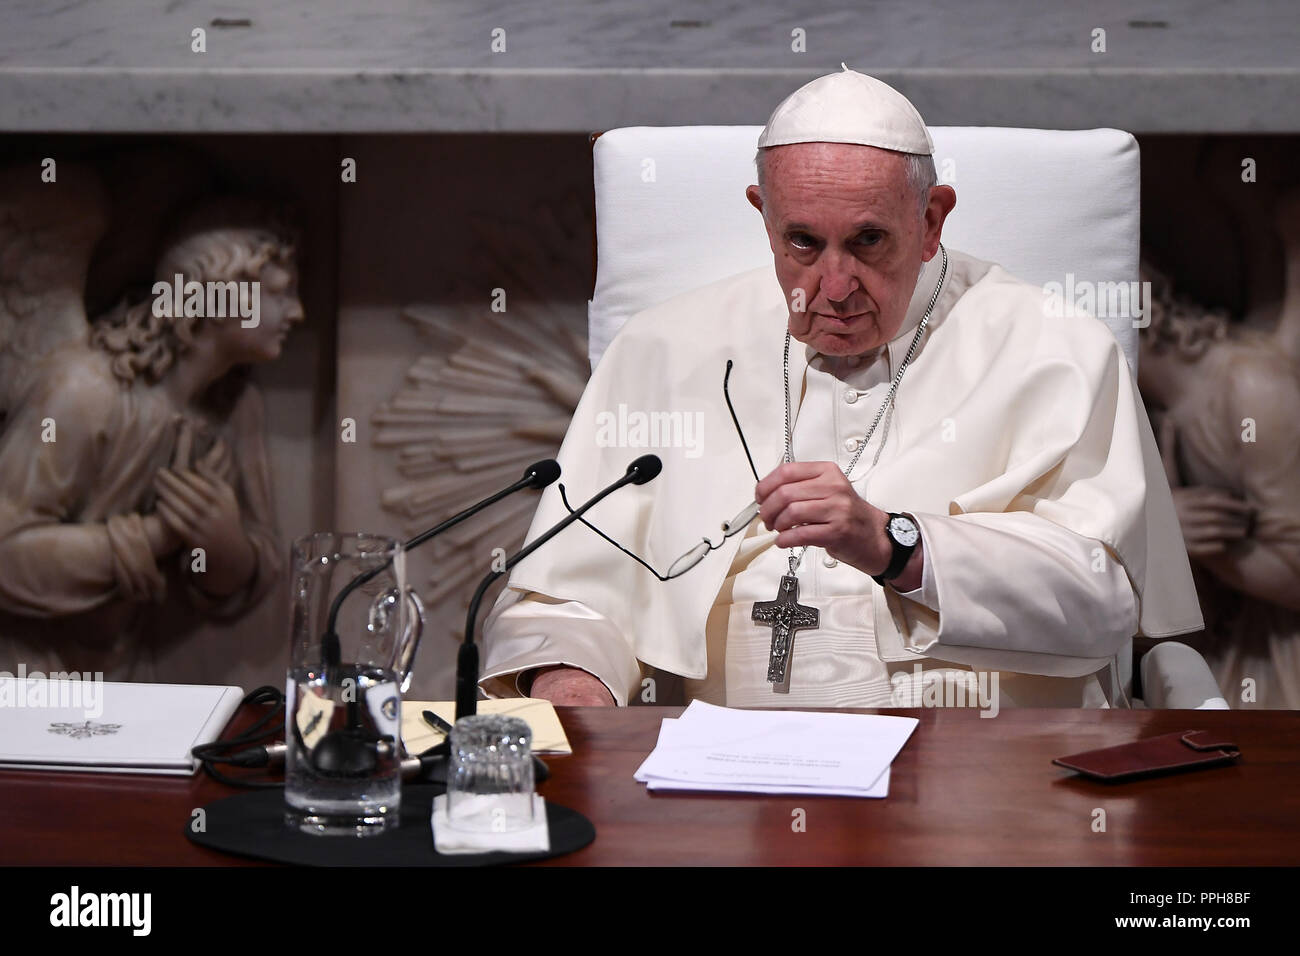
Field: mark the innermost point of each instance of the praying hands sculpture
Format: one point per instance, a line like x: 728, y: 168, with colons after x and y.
x: 134, y: 483
x: 1226, y: 399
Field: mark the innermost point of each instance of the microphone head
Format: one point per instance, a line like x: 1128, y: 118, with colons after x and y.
x: 542, y: 473
x: 647, y: 468
x: 346, y: 753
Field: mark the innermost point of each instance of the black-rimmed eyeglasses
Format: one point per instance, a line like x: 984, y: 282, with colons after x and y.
x: 729, y: 528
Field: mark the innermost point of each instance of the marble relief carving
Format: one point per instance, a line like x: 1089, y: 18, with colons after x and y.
x: 134, y: 483
x: 494, y: 390
x: 1223, y: 399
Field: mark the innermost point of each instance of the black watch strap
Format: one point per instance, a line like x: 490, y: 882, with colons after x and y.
x: 902, y: 553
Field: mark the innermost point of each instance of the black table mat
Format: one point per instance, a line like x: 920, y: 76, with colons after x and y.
x: 252, y: 824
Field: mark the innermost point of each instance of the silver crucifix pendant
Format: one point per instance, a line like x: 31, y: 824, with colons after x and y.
x: 785, y: 615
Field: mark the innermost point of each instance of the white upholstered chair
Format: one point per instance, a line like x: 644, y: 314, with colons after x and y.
x: 671, y: 215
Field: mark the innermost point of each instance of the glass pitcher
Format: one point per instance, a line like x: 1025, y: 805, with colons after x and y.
x: 355, y: 626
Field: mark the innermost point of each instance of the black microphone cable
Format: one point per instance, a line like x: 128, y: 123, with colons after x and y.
x: 256, y: 749
x: 252, y: 742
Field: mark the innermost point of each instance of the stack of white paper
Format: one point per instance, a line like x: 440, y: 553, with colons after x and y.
x: 757, y: 751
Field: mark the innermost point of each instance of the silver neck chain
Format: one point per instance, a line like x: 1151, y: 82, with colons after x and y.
x: 886, y: 407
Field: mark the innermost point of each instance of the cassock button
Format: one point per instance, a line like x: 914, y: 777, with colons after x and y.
x: 851, y: 444
x: 829, y: 561
x: 851, y: 396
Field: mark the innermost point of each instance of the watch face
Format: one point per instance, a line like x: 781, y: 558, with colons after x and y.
x: 904, y: 531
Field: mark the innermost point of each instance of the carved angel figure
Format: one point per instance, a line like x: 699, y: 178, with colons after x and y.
x: 133, y: 473
x: 1226, y: 409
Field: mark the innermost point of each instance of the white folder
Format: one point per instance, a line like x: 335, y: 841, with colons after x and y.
x: 109, y: 727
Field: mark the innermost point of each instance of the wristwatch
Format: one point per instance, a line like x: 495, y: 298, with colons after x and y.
x: 904, y: 535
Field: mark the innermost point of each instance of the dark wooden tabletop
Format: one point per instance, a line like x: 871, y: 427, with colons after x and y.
x: 964, y: 790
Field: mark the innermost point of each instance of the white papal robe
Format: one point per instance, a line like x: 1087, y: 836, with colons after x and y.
x: 1017, y: 441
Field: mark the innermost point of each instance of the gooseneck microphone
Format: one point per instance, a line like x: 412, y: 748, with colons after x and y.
x: 538, y: 475
x: 353, y: 750
x: 644, y: 469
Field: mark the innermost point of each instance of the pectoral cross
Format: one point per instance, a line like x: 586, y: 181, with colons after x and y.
x: 785, y: 615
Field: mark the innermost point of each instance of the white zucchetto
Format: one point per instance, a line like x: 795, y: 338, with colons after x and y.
x: 848, y: 107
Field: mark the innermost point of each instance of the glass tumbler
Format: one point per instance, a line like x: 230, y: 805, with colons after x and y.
x: 490, y: 775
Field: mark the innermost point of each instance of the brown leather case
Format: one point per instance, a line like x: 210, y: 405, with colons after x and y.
x: 1168, y: 753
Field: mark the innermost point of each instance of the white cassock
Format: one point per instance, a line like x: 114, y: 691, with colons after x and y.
x: 1018, y: 442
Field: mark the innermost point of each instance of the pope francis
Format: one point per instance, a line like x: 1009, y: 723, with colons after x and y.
x: 909, y: 473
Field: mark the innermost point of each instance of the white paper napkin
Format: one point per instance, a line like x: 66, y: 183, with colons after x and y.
x: 536, y: 838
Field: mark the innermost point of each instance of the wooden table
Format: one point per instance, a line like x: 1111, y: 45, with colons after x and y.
x: 965, y: 790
